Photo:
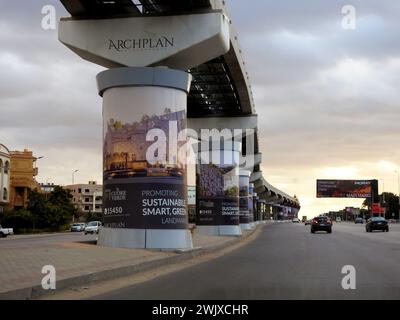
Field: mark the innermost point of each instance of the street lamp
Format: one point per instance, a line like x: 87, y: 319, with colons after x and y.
x: 383, y: 189
x: 73, y: 176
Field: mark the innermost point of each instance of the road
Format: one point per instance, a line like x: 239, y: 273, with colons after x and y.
x: 40, y: 240
x: 287, y: 262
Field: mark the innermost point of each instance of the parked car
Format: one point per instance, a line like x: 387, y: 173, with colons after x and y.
x: 338, y: 219
x: 307, y: 222
x: 377, y: 223
x: 78, y: 227
x: 4, y: 232
x: 321, y: 224
x: 296, y: 220
x: 93, y: 227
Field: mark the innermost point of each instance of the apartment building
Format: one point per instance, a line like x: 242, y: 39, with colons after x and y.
x: 87, y: 198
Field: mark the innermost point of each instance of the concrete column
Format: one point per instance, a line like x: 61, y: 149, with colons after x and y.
x: 145, y: 194
x: 217, y: 209
x: 251, y: 205
x: 244, y: 214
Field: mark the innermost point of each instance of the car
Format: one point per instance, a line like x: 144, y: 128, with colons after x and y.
x: 377, y: 223
x: 359, y: 220
x: 4, y: 232
x: 307, y: 222
x: 296, y: 220
x: 338, y: 219
x: 93, y: 227
x: 321, y: 224
x: 78, y: 227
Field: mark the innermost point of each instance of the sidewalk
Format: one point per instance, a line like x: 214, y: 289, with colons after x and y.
x: 78, y: 263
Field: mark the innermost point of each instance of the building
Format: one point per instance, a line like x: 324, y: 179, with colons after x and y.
x: 23, y: 171
x: 4, y: 177
x: 87, y: 198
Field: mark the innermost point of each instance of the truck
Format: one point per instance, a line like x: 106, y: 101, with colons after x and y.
x: 4, y: 232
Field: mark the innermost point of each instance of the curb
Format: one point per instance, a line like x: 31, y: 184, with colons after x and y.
x: 37, y: 291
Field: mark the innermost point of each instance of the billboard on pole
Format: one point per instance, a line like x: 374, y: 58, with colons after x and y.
x: 346, y: 188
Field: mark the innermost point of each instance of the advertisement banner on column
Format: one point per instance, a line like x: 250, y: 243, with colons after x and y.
x: 144, y: 159
x: 251, y: 203
x: 218, y: 193
x: 244, y: 199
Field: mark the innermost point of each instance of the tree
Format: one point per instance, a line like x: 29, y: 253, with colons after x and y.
x: 60, y: 208
x: 391, y: 204
x: 36, y: 207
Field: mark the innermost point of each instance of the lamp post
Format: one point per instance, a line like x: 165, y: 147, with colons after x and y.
x: 383, y: 193
x: 73, y: 176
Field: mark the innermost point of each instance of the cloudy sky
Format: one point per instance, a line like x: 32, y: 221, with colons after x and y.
x: 327, y: 97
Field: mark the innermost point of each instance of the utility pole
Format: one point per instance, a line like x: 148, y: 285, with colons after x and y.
x: 73, y: 176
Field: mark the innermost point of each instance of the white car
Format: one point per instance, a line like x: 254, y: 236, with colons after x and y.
x: 296, y: 220
x: 77, y: 227
x: 4, y: 232
x: 93, y: 227
x: 338, y: 219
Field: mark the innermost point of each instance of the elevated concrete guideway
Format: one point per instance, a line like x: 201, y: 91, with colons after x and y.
x: 220, y: 90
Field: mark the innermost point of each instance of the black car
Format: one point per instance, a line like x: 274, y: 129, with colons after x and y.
x: 321, y: 224
x: 377, y: 223
x: 359, y: 220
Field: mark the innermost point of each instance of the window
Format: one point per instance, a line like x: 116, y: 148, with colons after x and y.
x: 79, y: 190
x: 87, y: 190
x: 5, y: 194
x: 87, y: 199
x: 87, y: 208
x: 6, y: 167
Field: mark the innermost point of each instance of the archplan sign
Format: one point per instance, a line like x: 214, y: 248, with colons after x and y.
x: 174, y: 41
x: 346, y: 188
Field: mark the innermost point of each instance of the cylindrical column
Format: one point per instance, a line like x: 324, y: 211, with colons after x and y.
x: 217, y: 209
x: 256, y: 209
x: 251, y: 205
x: 144, y: 196
x: 244, y: 214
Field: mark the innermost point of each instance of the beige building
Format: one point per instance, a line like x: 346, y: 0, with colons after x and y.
x: 23, y: 171
x: 4, y: 177
x: 87, y: 198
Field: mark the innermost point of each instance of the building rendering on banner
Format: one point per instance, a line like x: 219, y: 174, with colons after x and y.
x: 168, y: 73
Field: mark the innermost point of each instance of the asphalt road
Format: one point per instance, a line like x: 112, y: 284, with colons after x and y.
x: 40, y: 240
x: 287, y: 262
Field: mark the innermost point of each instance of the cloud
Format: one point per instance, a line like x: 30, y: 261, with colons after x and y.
x: 327, y: 98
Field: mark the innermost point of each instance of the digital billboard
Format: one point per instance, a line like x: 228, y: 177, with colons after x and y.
x: 347, y: 188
